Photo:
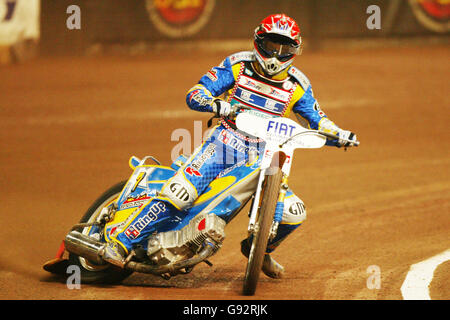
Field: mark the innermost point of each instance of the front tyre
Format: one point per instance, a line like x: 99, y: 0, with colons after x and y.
x: 261, y: 237
x: 89, y: 271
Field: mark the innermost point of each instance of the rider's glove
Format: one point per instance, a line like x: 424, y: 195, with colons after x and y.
x: 221, y: 108
x: 345, y: 135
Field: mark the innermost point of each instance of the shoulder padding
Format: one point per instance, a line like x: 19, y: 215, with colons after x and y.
x: 300, y: 77
x: 241, y: 56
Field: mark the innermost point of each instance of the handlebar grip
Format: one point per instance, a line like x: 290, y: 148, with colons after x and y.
x: 336, y: 137
x: 238, y: 107
x: 329, y: 135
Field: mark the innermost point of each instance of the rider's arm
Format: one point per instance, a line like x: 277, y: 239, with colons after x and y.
x: 308, y: 111
x: 214, y: 83
x: 309, y: 114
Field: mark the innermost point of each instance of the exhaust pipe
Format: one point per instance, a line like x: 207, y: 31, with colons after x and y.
x: 91, y: 249
x: 84, y: 246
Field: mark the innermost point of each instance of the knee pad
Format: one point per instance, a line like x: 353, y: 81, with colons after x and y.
x: 294, y: 210
x: 179, y: 191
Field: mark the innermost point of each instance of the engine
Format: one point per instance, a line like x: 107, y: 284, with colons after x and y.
x: 172, y: 246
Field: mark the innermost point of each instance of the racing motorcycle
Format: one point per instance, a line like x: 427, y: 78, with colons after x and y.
x: 200, y: 232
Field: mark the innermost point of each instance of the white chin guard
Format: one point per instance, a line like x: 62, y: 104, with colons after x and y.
x: 272, y: 66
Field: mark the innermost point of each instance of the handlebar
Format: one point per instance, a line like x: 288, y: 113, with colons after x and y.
x: 336, y: 137
x: 236, y: 108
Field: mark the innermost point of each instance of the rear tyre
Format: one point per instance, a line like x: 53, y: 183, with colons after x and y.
x: 261, y: 237
x: 89, y: 271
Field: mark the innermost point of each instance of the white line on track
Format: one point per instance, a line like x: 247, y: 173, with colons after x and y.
x: 418, y: 279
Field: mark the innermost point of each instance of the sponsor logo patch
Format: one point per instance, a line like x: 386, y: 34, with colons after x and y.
x: 230, y: 140
x: 137, y: 201
x: 297, y: 208
x: 280, y: 128
x: 179, y: 191
x: 195, y: 166
x: 252, y: 84
x: 198, y: 96
x: 192, y: 172
x: 212, y: 74
x: 134, y: 230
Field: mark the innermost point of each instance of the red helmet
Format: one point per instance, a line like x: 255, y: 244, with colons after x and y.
x: 277, y: 41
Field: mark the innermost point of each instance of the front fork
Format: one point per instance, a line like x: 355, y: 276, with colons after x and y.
x: 252, y: 225
x: 280, y: 207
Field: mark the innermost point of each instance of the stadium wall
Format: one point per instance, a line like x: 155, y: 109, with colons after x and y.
x: 109, y: 22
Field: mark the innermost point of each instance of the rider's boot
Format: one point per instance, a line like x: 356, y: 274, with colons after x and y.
x: 270, y: 267
x: 114, y: 253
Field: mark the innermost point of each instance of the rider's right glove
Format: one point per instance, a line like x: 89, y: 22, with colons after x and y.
x: 344, y: 136
x: 221, y: 108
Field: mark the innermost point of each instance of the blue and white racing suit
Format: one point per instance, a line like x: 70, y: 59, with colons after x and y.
x: 236, y: 80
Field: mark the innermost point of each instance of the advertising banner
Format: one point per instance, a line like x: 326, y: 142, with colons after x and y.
x: 433, y: 14
x: 179, y: 18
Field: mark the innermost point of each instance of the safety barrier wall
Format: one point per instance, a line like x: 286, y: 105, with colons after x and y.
x: 152, y: 21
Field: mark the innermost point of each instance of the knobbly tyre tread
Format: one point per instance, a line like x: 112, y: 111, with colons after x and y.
x: 111, y: 274
x: 261, y: 238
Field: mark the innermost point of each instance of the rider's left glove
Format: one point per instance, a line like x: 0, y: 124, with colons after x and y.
x: 221, y: 108
x: 344, y: 137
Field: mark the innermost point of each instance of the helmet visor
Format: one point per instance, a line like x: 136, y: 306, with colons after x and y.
x: 283, y: 51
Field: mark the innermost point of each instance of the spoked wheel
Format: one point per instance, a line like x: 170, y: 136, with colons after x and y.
x: 91, y: 272
x: 261, y: 236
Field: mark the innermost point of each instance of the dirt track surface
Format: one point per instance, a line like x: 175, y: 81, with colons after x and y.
x: 69, y: 125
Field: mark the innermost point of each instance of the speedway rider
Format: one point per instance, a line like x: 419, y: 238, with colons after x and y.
x: 264, y: 80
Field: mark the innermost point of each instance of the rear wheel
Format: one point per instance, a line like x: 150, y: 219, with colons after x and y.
x: 91, y: 272
x: 263, y: 226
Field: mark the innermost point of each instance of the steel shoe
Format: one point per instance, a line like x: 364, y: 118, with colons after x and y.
x: 270, y: 267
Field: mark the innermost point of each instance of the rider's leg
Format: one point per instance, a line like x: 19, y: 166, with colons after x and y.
x: 294, y: 214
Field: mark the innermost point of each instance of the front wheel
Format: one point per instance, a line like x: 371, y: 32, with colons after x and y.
x: 89, y: 271
x: 261, y: 237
